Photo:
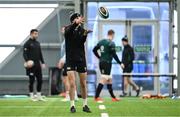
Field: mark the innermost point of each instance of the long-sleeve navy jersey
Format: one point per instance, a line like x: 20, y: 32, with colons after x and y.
x: 32, y: 51
x: 128, y: 56
x: 75, y: 37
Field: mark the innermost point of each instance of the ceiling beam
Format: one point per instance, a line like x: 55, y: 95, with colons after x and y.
x: 55, y: 1
x: 35, y: 1
x: 127, y: 0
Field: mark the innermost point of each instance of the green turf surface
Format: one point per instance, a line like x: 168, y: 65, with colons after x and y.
x: 54, y: 107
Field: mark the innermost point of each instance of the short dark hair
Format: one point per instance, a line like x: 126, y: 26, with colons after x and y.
x: 111, y: 32
x: 33, y: 30
x: 74, y: 16
x: 125, y: 38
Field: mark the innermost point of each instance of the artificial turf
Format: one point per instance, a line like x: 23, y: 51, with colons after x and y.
x: 55, y: 107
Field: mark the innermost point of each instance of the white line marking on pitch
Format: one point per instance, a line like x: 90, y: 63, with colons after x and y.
x: 104, y: 115
x: 102, y: 107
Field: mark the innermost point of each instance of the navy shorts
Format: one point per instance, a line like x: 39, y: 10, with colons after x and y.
x: 105, y: 67
x: 79, y: 66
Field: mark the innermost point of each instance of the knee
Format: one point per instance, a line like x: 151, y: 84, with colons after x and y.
x: 126, y: 80
x: 31, y: 82
x: 102, y: 81
x: 67, y: 84
x: 71, y: 84
x: 83, y: 85
x: 39, y: 81
x: 129, y: 81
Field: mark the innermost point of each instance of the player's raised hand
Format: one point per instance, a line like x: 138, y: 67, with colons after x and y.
x: 82, y: 20
x: 79, y: 20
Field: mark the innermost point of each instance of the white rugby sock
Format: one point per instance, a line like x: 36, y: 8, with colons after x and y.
x: 76, y: 97
x: 84, y: 102
x: 31, y: 95
x: 72, y: 103
x: 38, y: 94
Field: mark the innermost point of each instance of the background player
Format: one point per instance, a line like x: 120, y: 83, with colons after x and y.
x: 127, y: 61
x: 32, y: 51
x: 107, y: 53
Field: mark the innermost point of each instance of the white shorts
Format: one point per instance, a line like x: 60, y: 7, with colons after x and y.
x: 107, y: 77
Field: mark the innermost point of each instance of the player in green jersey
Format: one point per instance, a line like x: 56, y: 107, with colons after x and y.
x: 107, y: 53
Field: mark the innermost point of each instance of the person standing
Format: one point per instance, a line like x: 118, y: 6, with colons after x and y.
x: 127, y: 65
x: 75, y: 38
x: 62, y: 65
x: 34, y: 61
x: 107, y: 53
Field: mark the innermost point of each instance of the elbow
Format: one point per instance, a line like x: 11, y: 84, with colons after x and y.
x: 114, y: 55
x: 94, y: 50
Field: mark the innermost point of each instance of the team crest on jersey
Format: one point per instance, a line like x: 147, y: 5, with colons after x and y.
x: 102, y: 48
x: 31, y: 74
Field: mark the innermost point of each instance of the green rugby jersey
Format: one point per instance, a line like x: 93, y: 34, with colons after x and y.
x: 107, y: 50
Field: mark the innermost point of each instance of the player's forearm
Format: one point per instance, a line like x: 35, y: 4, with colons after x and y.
x: 25, y: 56
x: 95, y: 52
x: 97, y: 55
x: 25, y: 53
x: 116, y: 58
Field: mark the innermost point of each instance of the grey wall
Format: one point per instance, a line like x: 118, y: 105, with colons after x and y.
x: 48, y: 33
x: 19, y: 86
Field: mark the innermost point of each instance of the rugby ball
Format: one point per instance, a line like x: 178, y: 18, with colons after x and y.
x: 29, y: 64
x: 103, y: 12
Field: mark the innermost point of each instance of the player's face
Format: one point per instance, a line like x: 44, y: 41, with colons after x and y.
x: 111, y: 37
x: 124, y: 43
x: 34, y: 35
